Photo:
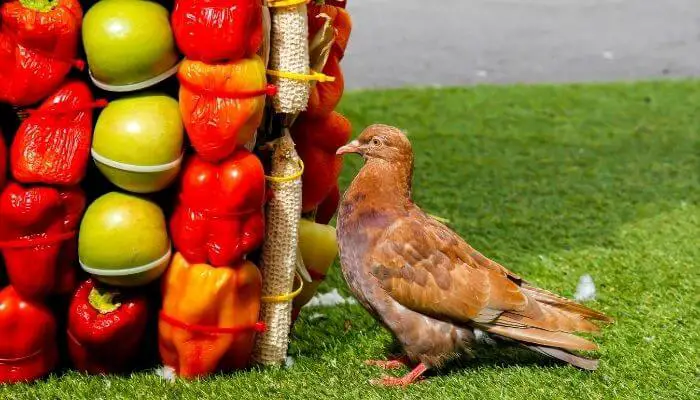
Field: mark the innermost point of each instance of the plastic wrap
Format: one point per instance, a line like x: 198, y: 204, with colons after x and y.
x: 38, y: 237
x: 27, y: 76
x: 219, y: 217
x: 37, y: 49
x: 52, y: 146
x: 54, y: 32
x: 280, y: 253
x: 217, y: 30
x: 222, y: 105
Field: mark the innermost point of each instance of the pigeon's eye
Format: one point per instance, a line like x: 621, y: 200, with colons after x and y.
x: 376, y: 142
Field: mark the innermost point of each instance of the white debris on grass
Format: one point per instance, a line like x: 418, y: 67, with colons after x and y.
x: 289, y: 362
x: 330, y: 299
x: 167, y: 373
x: 585, y: 290
x: 315, y: 316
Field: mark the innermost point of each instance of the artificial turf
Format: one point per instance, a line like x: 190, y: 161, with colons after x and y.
x: 553, y: 182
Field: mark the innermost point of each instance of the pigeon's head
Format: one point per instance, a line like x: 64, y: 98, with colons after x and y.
x: 381, y: 142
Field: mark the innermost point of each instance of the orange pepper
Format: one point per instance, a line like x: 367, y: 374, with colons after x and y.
x: 209, y: 317
x: 222, y: 105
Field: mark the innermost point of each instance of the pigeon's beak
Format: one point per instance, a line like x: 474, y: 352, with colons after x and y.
x: 352, y: 147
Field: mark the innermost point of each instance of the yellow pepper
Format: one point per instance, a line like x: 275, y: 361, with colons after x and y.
x: 319, y: 249
x: 209, y: 317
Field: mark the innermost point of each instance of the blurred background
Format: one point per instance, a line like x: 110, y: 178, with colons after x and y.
x: 457, y: 42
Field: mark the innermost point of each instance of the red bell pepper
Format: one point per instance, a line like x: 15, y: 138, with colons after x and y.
x: 28, y: 348
x: 37, y: 237
x: 317, y: 141
x: 38, y: 47
x: 52, y: 145
x: 105, y: 328
x: 328, y: 207
x: 217, y: 30
x: 219, y: 216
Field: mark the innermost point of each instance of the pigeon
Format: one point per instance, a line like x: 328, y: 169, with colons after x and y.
x: 428, y: 286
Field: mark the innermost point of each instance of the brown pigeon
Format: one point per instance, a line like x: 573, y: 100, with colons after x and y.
x: 424, y: 283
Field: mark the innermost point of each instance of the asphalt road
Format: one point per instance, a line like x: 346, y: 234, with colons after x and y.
x: 456, y: 42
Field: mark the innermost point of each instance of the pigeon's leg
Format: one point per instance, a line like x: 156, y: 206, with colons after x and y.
x: 394, y: 362
x: 404, y: 380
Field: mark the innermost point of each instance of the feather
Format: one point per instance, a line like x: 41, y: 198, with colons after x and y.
x: 563, y: 355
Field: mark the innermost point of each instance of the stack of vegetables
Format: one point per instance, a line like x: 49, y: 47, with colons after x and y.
x: 211, y: 293
x: 41, y: 204
x: 157, y: 239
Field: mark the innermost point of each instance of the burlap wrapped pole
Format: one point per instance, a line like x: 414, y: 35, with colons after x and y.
x: 289, y: 55
x: 279, y: 253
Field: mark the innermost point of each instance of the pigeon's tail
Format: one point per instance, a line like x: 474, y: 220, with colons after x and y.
x: 577, y: 361
x: 549, y: 324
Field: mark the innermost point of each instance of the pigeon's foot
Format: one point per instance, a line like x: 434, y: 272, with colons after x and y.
x: 391, y: 363
x: 404, y: 381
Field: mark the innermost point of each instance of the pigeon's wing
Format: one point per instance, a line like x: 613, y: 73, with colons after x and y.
x: 429, y: 269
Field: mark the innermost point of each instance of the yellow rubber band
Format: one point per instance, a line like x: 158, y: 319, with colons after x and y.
x: 285, y: 3
x: 283, y: 179
x: 313, y: 76
x: 286, y: 297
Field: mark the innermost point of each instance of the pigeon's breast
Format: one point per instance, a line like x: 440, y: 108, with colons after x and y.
x: 358, y: 230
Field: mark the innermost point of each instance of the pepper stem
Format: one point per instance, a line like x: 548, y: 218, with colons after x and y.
x: 40, y: 5
x: 102, y: 300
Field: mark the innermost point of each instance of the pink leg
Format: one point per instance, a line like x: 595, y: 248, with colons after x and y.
x: 404, y: 381
x: 391, y: 363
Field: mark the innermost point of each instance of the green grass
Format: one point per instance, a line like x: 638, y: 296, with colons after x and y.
x: 552, y: 181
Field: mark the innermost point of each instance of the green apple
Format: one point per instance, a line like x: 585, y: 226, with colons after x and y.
x: 121, y: 232
x: 319, y: 248
x: 143, y: 130
x: 128, y: 41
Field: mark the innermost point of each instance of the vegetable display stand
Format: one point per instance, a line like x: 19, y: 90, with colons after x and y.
x: 166, y: 183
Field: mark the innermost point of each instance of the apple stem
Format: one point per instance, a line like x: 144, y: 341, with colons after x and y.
x: 40, y: 5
